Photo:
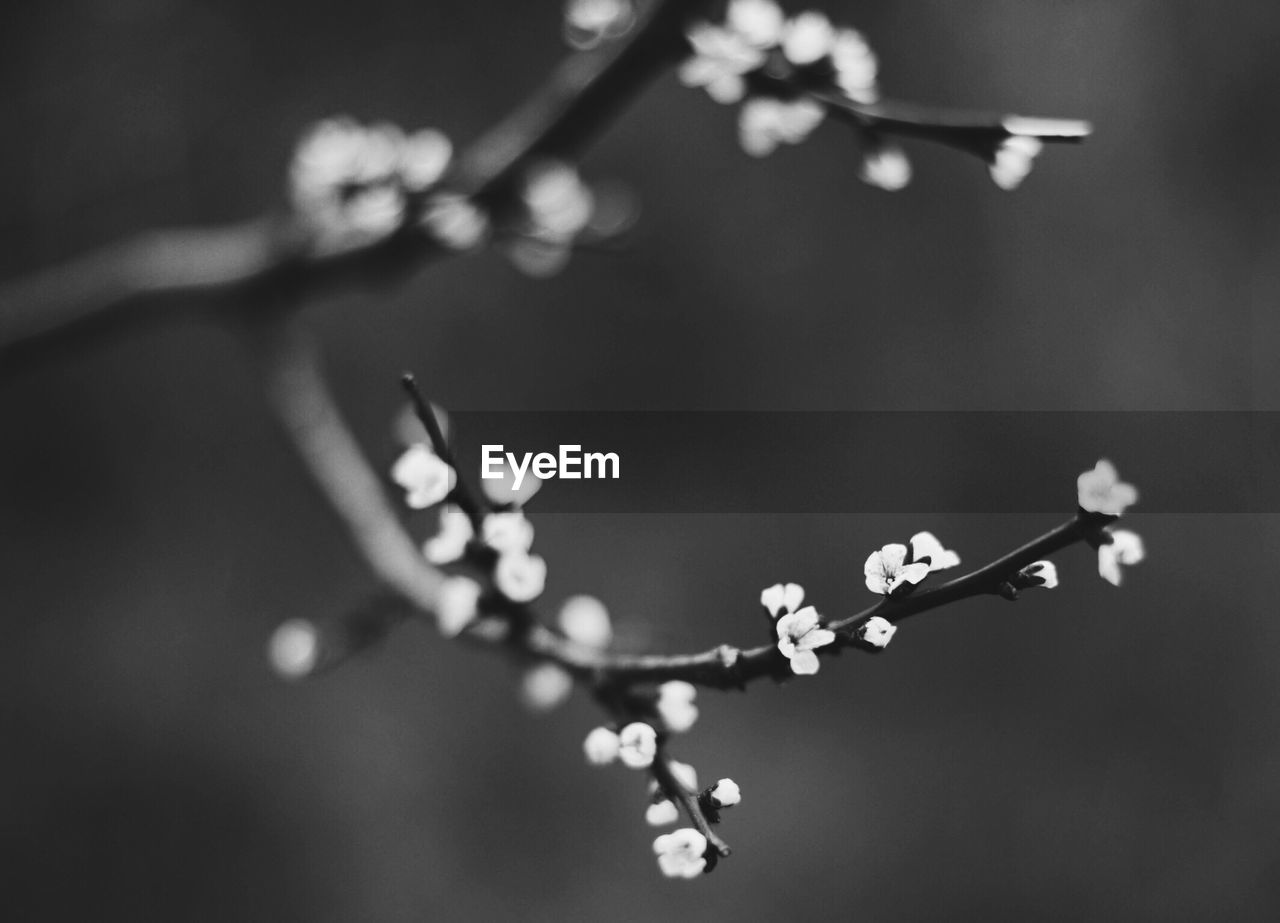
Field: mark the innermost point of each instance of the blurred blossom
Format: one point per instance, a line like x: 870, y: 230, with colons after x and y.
x: 507, y: 531
x: 720, y: 59
x: 926, y: 545
x: 675, y: 705
x: 588, y: 23
x: 758, y: 22
x: 856, y: 66
x: 519, y: 576
x: 799, y: 636
x: 458, y: 605
x: 1124, y: 549
x: 455, y: 221
x: 1100, y: 490
x: 374, y: 212
x: 877, y: 631
x: 726, y: 793
x: 449, y: 544
x: 426, y: 478
x: 887, y: 569
x: 638, y: 744
x: 424, y: 156
x: 601, y: 746
x: 294, y: 649
x: 585, y: 620
x: 766, y: 122
x: 545, y: 686
x: 661, y: 813
x: 885, y: 166
x: 1012, y: 160
x: 685, y: 774
x: 782, y: 596
x: 681, y: 854
x: 808, y: 38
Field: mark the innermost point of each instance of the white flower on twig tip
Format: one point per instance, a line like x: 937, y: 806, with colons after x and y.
x: 601, y: 746
x: 426, y: 478
x: 589, y: 23
x: 1124, y: 549
x: 507, y: 531
x: 458, y: 605
x: 885, y: 166
x: 424, y: 156
x: 726, y: 793
x: 545, y: 686
x: 682, y: 853
x: 1038, y: 574
x: 782, y: 597
x: 798, y: 637
x: 519, y: 576
x: 1100, y: 490
x: 661, y: 813
x: 808, y: 38
x: 1012, y: 160
x: 585, y: 620
x: 887, y: 569
x: 449, y: 544
x: 294, y: 649
x: 877, y: 631
x: 638, y: 744
x: 764, y: 122
x: 926, y: 545
x: 675, y: 705
x: 455, y: 221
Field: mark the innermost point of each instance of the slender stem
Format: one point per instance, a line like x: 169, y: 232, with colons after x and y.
x: 687, y: 800
x: 468, y: 501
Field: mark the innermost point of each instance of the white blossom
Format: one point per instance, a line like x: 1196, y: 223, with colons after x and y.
x: 764, y: 122
x: 877, y: 631
x: 373, y: 212
x: 458, y: 605
x: 449, y: 543
x: 601, y: 746
x: 856, y: 66
x: 1100, y: 490
x: 782, y: 596
x: 585, y: 620
x: 426, y: 478
x: 1012, y: 160
x: 798, y: 637
x: 758, y: 22
x: 681, y: 854
x: 545, y: 686
x: 926, y: 545
x: 886, y: 167
x: 588, y: 23
x: 661, y: 813
x: 886, y: 570
x: 675, y: 705
x: 294, y: 649
x: 501, y: 491
x: 726, y: 793
x: 507, y: 531
x: 559, y: 203
x: 638, y: 744
x: 808, y: 38
x: 685, y: 774
x: 1040, y: 573
x: 1125, y: 549
x: 455, y: 221
x: 423, y: 158
x: 720, y: 58
x: 519, y: 576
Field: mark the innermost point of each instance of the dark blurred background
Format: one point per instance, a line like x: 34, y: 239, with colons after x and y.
x: 1090, y: 752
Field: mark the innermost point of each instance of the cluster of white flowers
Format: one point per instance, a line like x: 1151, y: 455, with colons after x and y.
x: 774, y: 66
x: 1100, y: 490
x: 351, y: 185
x: 558, y: 207
x: 589, y: 23
x: 799, y: 630
x: 896, y: 568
